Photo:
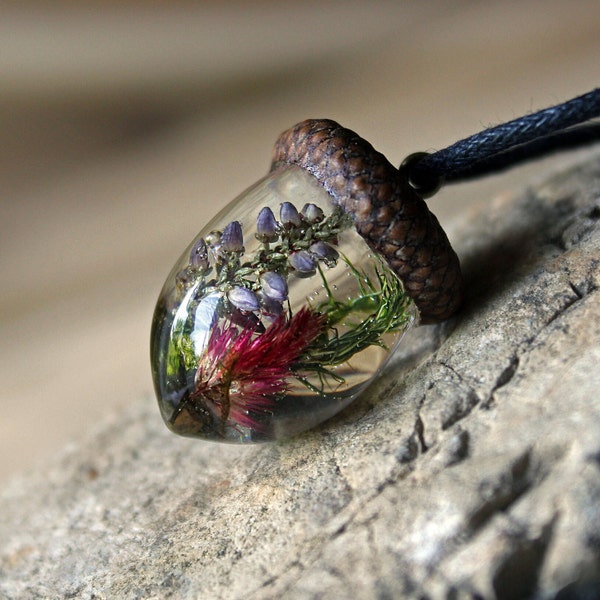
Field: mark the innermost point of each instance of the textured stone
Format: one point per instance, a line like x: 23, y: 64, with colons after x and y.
x: 470, y: 469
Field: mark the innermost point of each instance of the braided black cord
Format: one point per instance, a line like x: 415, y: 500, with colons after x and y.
x: 503, y: 146
x: 571, y: 138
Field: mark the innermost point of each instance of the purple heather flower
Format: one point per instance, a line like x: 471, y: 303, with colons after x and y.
x: 312, y: 213
x: 232, y: 239
x: 323, y: 251
x: 270, y: 307
x: 303, y: 263
x: 274, y: 286
x: 266, y: 225
x: 289, y: 214
x: 243, y: 298
x: 199, y: 256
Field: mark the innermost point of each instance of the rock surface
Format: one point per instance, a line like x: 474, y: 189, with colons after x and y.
x: 471, y: 469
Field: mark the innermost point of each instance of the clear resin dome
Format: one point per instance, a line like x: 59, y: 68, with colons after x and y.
x: 274, y: 318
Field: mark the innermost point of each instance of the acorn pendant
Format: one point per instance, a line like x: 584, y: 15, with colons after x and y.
x: 291, y: 300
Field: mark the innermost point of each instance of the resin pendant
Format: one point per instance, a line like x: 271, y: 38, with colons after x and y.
x: 283, y: 310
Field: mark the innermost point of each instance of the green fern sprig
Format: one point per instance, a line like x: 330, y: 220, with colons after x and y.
x: 389, y: 308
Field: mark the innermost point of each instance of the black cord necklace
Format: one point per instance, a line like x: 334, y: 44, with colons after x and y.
x: 288, y: 303
x: 531, y: 136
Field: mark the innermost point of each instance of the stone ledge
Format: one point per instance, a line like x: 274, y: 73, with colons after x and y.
x: 471, y: 468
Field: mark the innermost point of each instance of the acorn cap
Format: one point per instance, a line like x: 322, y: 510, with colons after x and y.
x: 387, y: 212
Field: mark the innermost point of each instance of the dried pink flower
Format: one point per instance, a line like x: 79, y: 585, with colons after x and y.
x: 240, y: 373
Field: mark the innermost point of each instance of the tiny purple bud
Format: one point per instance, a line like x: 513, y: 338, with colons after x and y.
x: 232, y: 239
x: 303, y: 262
x: 199, y: 256
x: 274, y: 286
x: 269, y: 306
x: 289, y: 214
x: 312, y: 213
x: 243, y: 298
x: 325, y: 252
x: 266, y: 225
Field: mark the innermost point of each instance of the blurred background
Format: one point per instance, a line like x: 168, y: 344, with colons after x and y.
x: 125, y: 125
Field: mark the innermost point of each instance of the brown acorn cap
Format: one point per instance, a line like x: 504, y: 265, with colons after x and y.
x: 386, y: 210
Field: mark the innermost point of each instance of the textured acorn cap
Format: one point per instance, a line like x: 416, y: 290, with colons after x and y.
x: 386, y: 210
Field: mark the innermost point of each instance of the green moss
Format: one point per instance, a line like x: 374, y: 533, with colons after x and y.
x: 389, y: 308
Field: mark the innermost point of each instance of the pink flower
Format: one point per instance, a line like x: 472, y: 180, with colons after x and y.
x: 241, y: 373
